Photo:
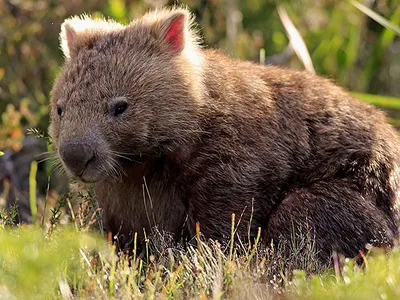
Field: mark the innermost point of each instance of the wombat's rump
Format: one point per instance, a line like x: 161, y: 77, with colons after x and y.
x: 171, y: 135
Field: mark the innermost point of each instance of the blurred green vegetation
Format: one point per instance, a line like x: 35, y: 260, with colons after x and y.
x: 344, y: 44
x: 34, y: 264
x: 378, y: 280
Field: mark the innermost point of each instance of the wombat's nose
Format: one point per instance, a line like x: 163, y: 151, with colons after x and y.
x: 77, y: 156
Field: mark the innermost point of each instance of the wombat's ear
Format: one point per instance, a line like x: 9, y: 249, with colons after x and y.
x: 173, y: 28
x: 67, y: 37
x: 77, y: 32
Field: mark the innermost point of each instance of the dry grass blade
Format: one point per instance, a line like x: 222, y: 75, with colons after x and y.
x: 376, y: 17
x: 296, y: 40
x: 65, y: 289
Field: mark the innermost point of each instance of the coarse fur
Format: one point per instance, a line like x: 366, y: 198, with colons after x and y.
x: 202, y: 135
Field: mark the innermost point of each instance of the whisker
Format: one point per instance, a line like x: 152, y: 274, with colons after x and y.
x: 118, y: 167
x: 124, y: 156
x: 57, y: 167
x: 50, y: 153
x: 51, y: 158
x: 109, y: 168
x: 113, y: 172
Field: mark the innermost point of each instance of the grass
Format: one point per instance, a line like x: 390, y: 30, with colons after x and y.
x: 379, y: 101
x: 33, y: 265
x: 75, y: 261
x: 379, y: 279
x: 390, y: 105
x: 77, y: 264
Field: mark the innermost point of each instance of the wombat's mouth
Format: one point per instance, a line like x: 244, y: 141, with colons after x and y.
x: 108, y: 169
x: 87, y: 179
x: 95, y: 170
x: 88, y: 176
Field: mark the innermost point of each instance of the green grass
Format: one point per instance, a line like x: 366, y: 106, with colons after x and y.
x: 73, y: 263
x: 379, y: 279
x: 379, y: 101
x: 390, y: 105
x: 34, y: 265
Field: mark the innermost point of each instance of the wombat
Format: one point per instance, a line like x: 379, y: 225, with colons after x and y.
x: 172, y: 134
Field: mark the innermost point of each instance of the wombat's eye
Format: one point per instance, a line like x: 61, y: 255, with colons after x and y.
x: 59, y: 110
x: 120, y: 107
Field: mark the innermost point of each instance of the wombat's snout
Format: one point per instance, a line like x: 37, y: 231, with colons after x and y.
x: 77, y: 156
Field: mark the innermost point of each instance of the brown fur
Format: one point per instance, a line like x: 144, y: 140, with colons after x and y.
x: 205, y: 136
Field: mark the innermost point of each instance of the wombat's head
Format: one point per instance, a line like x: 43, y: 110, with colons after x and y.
x: 124, y: 91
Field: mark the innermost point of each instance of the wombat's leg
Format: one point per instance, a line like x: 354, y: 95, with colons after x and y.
x: 333, y: 215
